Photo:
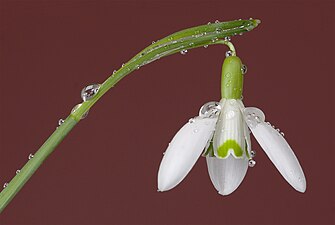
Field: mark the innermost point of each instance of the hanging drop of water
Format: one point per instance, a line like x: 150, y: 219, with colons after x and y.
x: 227, y: 39
x: 209, y: 23
x: 76, y: 107
x: 217, y: 21
x: 183, y: 52
x: 30, y: 156
x: 60, y: 122
x: 89, y: 92
x: 210, y: 109
x: 205, y: 46
x: 244, y: 69
x: 252, y: 153
x: 282, y: 133
x: 17, y: 171
x: 229, y: 53
x: 153, y: 42
x: 114, y: 71
x: 251, y: 163
x: 5, y: 185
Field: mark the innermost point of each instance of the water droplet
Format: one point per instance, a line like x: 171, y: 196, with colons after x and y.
x: 252, y: 153
x: 114, y: 71
x: 5, y: 185
x: 195, y: 130
x: 77, y: 107
x: 192, y: 120
x: 138, y: 67
x: 89, y: 92
x: 268, y: 123
x: 244, y: 69
x: 230, y: 114
x: 60, y: 122
x: 17, y: 171
x: 209, y: 23
x: 191, y: 44
x: 153, y: 42
x: 282, y: 133
x: 251, y: 163
x: 278, y: 130
x: 210, y: 109
x: 217, y: 21
x: 30, y: 156
x: 218, y: 30
x: 183, y: 52
x: 122, y: 65
x: 205, y: 46
x: 229, y: 53
x: 227, y: 39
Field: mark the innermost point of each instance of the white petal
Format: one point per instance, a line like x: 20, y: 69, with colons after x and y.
x: 183, y: 151
x: 279, y: 151
x: 226, y: 174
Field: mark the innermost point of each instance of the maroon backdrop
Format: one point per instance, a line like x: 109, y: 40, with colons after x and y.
x: 105, y: 171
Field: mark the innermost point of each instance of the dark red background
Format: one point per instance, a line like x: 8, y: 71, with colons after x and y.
x: 105, y: 171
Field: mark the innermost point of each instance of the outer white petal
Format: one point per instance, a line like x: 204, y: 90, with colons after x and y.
x: 226, y: 174
x: 183, y: 151
x: 277, y: 149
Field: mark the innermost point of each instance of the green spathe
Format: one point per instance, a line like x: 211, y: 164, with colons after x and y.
x: 223, y: 150
x: 232, y: 78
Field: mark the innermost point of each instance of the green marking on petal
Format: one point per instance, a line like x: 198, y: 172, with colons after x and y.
x: 210, y: 150
x: 229, y: 144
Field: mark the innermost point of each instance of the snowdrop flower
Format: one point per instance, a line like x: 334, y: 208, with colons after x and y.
x: 221, y: 132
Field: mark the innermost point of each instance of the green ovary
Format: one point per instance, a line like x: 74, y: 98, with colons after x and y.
x: 229, y: 144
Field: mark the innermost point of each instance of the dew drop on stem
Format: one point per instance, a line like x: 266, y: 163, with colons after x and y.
x: 89, y: 91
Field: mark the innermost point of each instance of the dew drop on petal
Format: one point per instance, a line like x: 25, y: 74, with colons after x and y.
x: 192, y: 120
x: 282, y: 133
x: 17, y: 171
x: 5, y: 185
x: 89, y: 92
x: 217, y: 21
x: 252, y: 153
x: 251, y: 163
x: 210, y: 109
x: 205, y: 46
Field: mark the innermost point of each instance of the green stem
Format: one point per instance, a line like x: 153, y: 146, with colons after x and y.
x: 180, y: 41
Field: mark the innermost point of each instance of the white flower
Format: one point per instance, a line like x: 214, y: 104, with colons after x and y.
x: 222, y: 133
x: 226, y: 139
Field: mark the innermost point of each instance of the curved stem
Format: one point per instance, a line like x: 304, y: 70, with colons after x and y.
x: 200, y: 36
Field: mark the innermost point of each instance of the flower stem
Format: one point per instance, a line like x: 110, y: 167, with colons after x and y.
x: 200, y: 36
